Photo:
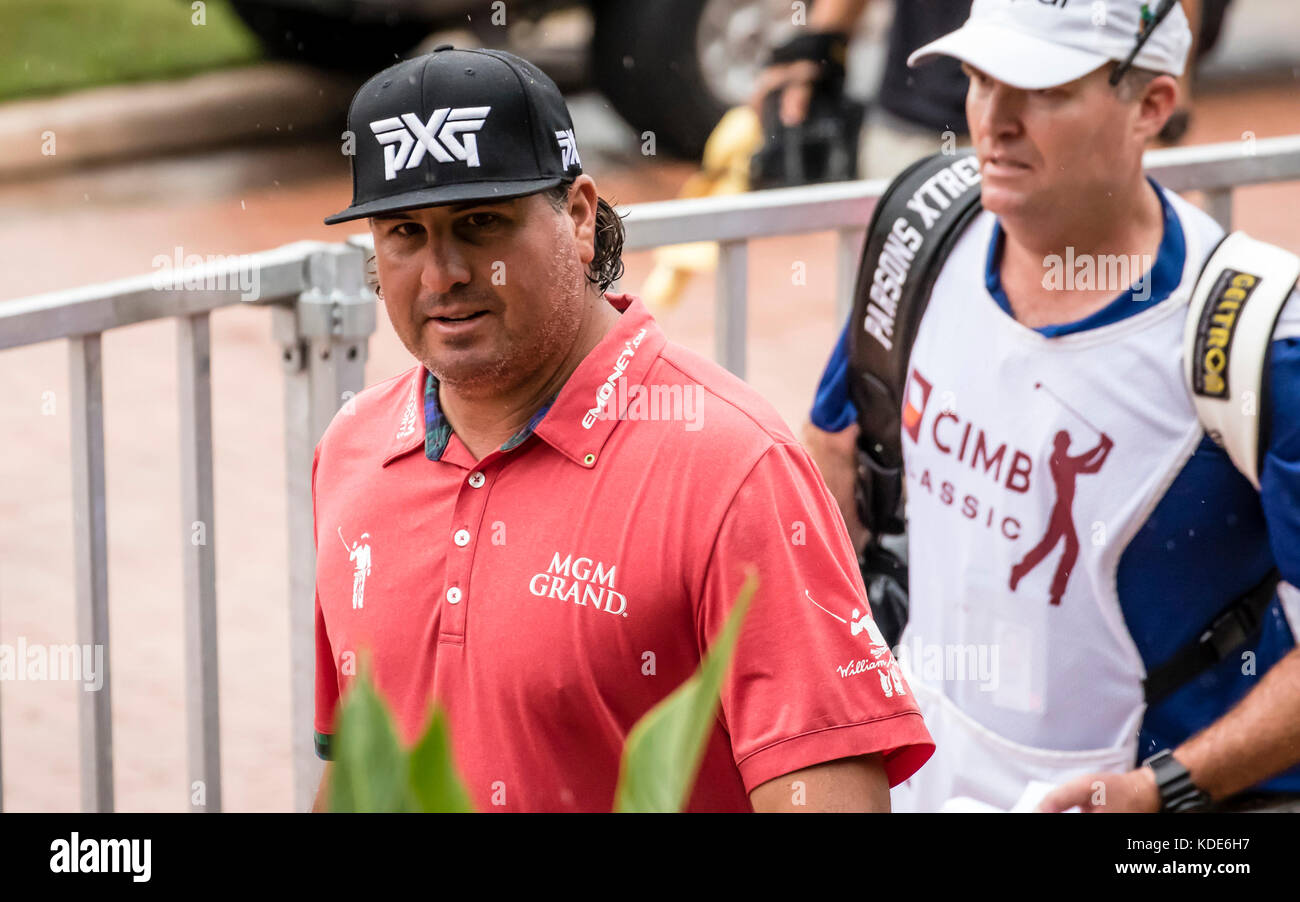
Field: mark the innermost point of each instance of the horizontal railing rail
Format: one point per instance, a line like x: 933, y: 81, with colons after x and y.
x: 91, y: 309
x: 821, y: 208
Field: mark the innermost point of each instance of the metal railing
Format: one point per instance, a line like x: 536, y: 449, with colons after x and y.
x: 322, y: 317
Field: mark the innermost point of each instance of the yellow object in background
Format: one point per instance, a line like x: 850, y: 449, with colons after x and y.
x: 724, y: 170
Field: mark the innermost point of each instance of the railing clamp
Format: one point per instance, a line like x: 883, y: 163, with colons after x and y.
x: 336, y: 308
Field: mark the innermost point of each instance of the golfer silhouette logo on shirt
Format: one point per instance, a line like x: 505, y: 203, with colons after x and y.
x: 360, y: 553
x: 1064, y: 470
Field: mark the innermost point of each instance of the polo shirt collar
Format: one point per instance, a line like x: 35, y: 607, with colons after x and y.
x: 407, y: 434
x: 1163, y: 279
x: 591, y: 404
x: 437, y: 431
x: 577, y: 421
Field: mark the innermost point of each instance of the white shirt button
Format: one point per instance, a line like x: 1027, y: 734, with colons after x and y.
x: 476, y: 480
x: 453, y: 595
x: 462, y: 537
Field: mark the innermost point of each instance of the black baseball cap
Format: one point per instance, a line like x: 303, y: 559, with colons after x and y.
x: 453, y: 126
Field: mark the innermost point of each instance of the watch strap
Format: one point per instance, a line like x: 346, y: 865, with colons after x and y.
x: 1177, y: 791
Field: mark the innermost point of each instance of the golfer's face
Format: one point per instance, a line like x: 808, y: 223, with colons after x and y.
x: 1042, y: 153
x: 481, y: 293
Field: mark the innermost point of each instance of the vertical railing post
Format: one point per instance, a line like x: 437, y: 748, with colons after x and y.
x: 299, y: 449
x: 1218, y: 203
x: 90, y: 541
x: 848, y: 255
x: 324, y: 342
x: 198, y: 559
x: 731, y: 315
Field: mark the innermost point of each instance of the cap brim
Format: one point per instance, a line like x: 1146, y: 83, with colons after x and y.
x: 444, y: 194
x: 1010, y: 56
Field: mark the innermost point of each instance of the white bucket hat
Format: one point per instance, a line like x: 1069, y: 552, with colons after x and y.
x: 1034, y: 44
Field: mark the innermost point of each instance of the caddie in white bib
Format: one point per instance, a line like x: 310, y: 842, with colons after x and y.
x: 1096, y: 428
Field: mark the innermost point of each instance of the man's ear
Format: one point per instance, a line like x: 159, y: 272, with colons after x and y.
x: 1156, y: 105
x: 583, y: 203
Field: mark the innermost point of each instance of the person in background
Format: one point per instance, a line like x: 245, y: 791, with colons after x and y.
x: 917, y: 112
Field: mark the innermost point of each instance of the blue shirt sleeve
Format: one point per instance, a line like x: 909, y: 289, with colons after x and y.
x: 1279, y: 483
x: 833, y: 409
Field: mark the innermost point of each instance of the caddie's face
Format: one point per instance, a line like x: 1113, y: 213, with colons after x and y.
x: 1043, y: 153
x: 486, y: 294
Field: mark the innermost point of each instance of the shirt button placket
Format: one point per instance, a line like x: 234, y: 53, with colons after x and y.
x: 460, y: 554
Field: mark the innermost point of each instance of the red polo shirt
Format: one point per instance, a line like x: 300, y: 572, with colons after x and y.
x: 547, y: 596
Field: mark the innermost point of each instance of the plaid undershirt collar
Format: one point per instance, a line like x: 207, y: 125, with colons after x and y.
x: 437, y: 431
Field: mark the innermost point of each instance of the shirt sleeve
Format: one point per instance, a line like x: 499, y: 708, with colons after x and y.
x: 812, y: 679
x: 833, y: 409
x: 1279, y: 482
x: 327, y: 689
x: 327, y: 681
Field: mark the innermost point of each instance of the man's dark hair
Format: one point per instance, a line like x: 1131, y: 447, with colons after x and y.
x: 1133, y: 81
x: 607, y: 266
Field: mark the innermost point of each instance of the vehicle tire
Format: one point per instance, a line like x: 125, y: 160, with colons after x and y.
x: 646, y: 61
x: 338, y: 42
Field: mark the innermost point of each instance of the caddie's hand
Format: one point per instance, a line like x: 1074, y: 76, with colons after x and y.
x: 795, y: 82
x: 796, y: 65
x: 1132, y: 791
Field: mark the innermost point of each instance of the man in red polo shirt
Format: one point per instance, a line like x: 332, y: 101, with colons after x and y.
x: 543, y: 524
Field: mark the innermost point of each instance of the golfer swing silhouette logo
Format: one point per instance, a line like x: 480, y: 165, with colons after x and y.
x: 360, y: 553
x: 1064, y: 470
x: 891, y: 677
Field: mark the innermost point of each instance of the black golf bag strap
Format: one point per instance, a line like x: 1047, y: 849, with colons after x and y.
x: 1229, y: 631
x: 913, y: 228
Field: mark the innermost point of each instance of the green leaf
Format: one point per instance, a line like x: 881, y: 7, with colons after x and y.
x: 664, y: 750
x: 435, y: 785
x: 370, y: 766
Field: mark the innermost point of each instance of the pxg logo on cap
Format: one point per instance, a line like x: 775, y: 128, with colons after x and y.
x: 454, y: 126
x: 438, y: 136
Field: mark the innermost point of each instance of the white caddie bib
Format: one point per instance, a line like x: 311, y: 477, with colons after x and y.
x: 1031, y: 463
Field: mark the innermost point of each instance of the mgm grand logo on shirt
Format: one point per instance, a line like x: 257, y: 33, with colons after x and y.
x: 1214, y: 332
x: 582, y: 581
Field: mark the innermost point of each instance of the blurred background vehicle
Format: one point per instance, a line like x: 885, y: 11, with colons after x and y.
x: 671, y: 67
x: 349, y: 35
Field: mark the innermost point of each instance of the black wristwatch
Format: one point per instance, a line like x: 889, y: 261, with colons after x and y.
x: 1177, y: 791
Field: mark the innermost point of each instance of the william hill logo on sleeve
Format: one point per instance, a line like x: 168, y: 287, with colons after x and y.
x: 1214, y: 332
